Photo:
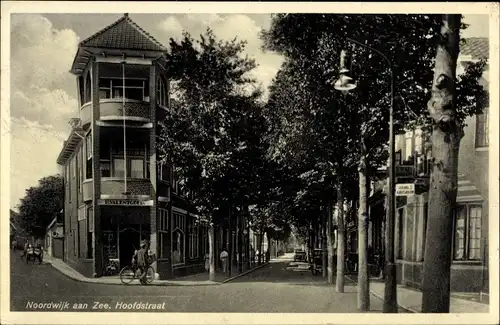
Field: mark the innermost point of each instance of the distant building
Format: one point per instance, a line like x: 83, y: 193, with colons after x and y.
x: 116, y: 194
x: 469, y: 270
x: 54, y: 239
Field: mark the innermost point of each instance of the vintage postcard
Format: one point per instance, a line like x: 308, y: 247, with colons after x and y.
x: 244, y: 162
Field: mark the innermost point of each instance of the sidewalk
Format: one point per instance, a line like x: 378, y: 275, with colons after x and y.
x: 411, y: 299
x: 200, y: 279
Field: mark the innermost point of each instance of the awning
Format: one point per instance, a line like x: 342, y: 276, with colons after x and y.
x: 467, y: 192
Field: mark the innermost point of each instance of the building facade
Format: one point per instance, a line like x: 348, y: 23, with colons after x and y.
x: 469, y: 270
x: 116, y: 192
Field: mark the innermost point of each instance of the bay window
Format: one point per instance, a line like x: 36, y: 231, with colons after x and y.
x: 467, y: 234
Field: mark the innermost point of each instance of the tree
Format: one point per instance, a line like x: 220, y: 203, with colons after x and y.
x: 447, y: 113
x: 310, y: 43
x: 197, y: 136
x: 41, y: 205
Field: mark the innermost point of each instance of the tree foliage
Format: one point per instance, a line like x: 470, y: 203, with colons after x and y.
x: 211, y: 132
x: 316, y: 130
x: 41, y: 205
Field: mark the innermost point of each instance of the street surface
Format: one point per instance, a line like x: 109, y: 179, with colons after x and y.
x: 276, y: 287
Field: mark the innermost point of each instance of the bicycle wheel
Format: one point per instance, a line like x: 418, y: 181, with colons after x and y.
x: 127, y: 275
x: 150, y: 274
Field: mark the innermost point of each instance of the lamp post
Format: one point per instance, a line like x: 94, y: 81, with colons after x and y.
x: 344, y: 84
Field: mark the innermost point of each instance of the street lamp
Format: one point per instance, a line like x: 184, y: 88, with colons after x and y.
x: 345, y: 84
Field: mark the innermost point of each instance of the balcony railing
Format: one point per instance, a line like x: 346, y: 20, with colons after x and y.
x: 112, y: 109
x: 115, y: 187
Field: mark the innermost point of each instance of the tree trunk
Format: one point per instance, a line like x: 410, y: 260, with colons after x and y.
x: 324, y: 262
x: 246, y: 221
x: 446, y: 136
x: 363, y: 280
x: 339, y: 285
x: 330, y: 241
x: 211, y: 252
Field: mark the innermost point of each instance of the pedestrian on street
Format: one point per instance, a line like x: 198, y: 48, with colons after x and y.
x: 142, y: 261
x: 223, y: 257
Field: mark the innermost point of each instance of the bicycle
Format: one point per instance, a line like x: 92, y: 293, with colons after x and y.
x: 131, y: 272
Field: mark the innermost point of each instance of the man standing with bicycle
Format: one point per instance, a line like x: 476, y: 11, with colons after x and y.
x: 142, y: 260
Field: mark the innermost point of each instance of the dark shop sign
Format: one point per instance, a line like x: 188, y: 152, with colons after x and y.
x: 125, y: 202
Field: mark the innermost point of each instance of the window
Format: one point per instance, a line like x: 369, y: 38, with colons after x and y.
x: 69, y: 180
x: 88, y: 145
x: 163, y: 171
x: 408, y: 145
x: 161, y: 95
x: 82, y: 163
x: 135, y: 89
x: 105, y: 168
x: 90, y: 218
x: 482, y: 129
x: 467, y: 241
x: 118, y: 167
x: 400, y: 233
x: 135, y: 168
x: 178, y: 239
x: 424, y: 233
x: 163, y: 228
x: 74, y: 242
x: 193, y: 239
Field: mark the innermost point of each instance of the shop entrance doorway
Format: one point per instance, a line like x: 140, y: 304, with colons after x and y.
x: 130, y: 239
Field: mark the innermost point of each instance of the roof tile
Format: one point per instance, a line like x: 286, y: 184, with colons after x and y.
x: 476, y: 47
x: 123, y: 34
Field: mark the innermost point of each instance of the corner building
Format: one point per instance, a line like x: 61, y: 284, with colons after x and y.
x: 116, y: 194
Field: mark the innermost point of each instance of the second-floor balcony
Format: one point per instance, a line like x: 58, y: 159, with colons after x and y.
x: 114, y: 187
x: 112, y: 109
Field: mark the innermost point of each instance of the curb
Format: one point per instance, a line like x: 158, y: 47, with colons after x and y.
x: 244, y: 273
x: 95, y: 281
x: 410, y: 310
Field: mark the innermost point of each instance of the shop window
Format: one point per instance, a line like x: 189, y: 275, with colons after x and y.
x: 467, y: 235
x: 163, y: 228
x: 110, y: 244
x: 178, y: 239
x: 194, y: 235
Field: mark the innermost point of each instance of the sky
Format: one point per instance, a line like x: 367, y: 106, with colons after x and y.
x: 43, y: 92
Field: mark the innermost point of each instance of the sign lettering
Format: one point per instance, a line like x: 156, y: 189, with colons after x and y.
x: 125, y: 202
x: 405, y: 189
